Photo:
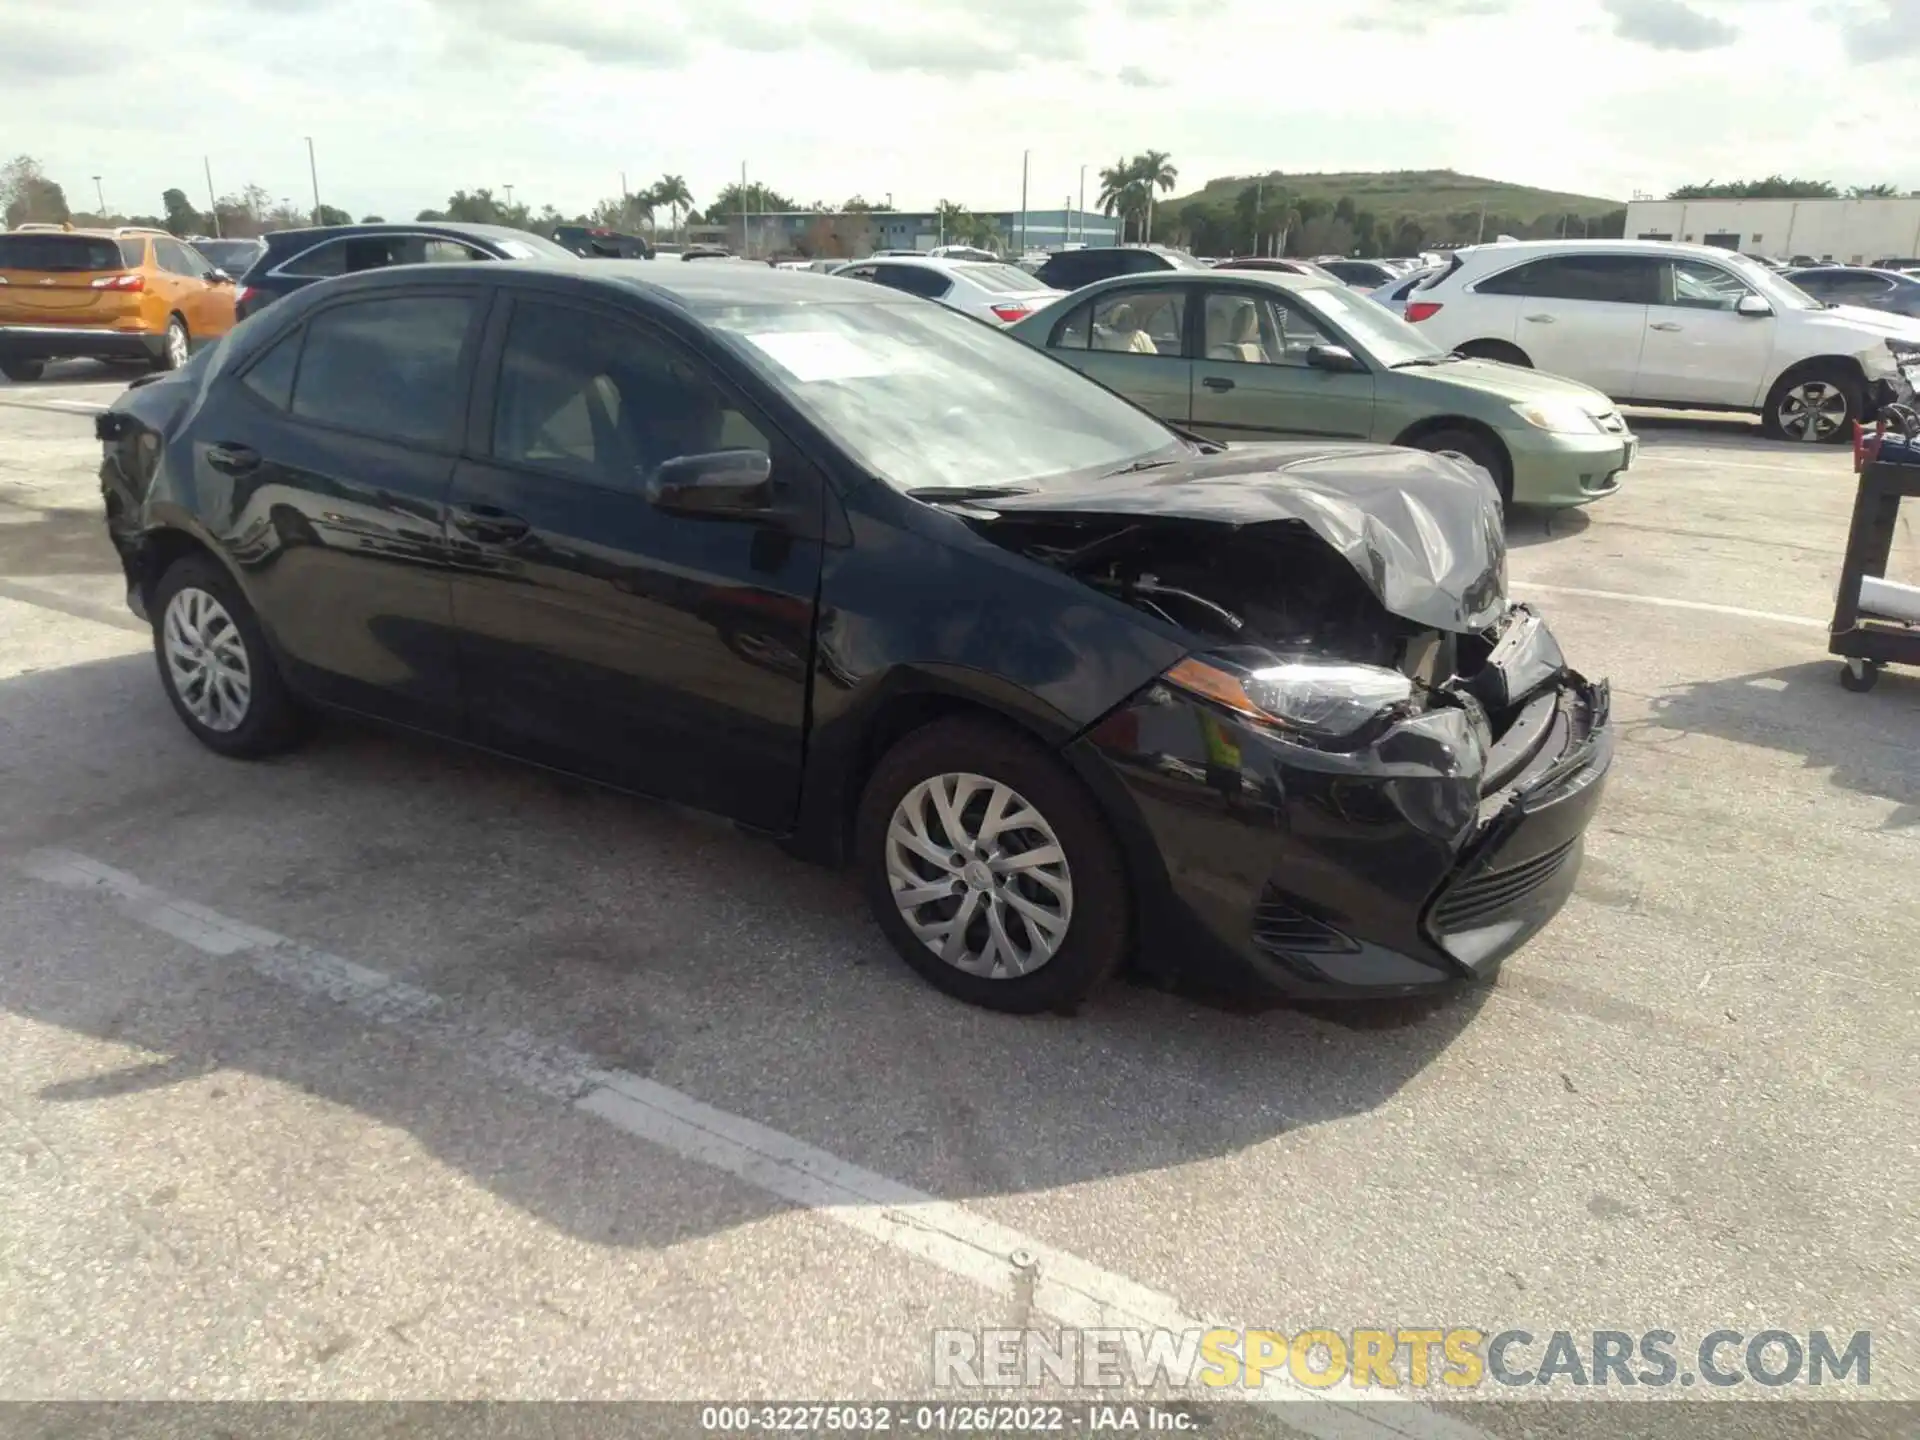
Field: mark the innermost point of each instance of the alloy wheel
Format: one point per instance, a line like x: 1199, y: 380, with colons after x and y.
x: 1812, y: 411
x: 207, y: 660
x: 176, y: 345
x: 979, y: 875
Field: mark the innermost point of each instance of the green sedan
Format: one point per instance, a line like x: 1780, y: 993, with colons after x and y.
x: 1251, y: 355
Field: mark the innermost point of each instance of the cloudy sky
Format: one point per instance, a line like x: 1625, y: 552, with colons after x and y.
x: 410, y: 99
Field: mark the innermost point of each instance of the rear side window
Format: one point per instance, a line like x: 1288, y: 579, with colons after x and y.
x: 353, y: 253
x: 927, y: 284
x: 388, y: 367
x: 1000, y: 279
x: 73, y: 254
x: 271, y: 376
x: 1611, y: 279
x: 133, y: 253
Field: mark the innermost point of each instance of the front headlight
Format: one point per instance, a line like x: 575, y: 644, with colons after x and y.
x: 1563, y: 417
x: 1320, y: 698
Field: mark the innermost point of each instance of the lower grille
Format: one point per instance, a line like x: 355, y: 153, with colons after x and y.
x: 1487, y: 895
x: 1280, y: 929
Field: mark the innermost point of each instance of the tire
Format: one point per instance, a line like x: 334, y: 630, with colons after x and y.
x: 175, y: 345
x: 1476, y: 447
x: 269, y: 720
x: 1865, y: 680
x: 1816, y: 405
x: 1494, y: 350
x: 971, y: 760
x: 23, y: 370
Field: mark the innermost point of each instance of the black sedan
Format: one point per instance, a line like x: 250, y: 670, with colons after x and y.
x: 294, y: 259
x: 863, y: 574
x: 1887, y: 290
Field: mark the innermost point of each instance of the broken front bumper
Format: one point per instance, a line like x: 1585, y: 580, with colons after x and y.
x: 1418, y: 863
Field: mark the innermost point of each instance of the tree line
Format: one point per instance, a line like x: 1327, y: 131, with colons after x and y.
x: 1779, y: 187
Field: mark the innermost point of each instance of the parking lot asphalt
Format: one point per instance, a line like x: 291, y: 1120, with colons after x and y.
x: 385, y: 1070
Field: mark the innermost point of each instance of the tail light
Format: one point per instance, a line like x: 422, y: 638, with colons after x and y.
x: 242, y: 294
x: 125, y: 284
x: 1007, y: 314
x: 1418, y: 310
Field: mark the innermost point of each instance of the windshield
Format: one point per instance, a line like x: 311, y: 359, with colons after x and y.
x: 1384, y: 336
x: 1001, y: 279
x: 533, y: 247
x: 928, y: 398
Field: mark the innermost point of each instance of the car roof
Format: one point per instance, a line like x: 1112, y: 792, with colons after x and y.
x: 1275, y: 279
x: 685, y: 286
x: 1526, y: 249
x: 931, y: 262
x: 314, y: 234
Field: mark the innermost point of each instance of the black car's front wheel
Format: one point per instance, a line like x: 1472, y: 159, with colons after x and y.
x: 23, y: 370
x: 990, y: 868
x: 215, y: 665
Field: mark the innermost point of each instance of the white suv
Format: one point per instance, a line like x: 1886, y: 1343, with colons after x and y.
x: 1688, y: 326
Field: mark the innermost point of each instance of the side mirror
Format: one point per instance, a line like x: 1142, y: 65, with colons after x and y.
x: 1753, y: 307
x: 721, y: 485
x: 217, y: 276
x: 1334, y: 357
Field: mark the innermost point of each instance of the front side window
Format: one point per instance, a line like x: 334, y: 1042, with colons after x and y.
x: 1140, y: 322
x: 1700, y: 285
x: 600, y: 400
x: 927, y: 398
x: 1605, y: 279
x: 175, y: 259
x: 271, y: 376
x: 447, y: 252
x: 388, y: 367
x: 353, y: 254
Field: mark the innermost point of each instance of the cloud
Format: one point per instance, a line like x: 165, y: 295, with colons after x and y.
x: 1419, y: 17
x: 1880, y: 30
x: 1668, y: 25
x: 1138, y: 79
x: 49, y: 58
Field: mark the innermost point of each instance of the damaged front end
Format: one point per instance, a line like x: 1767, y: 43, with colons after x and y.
x: 1371, y: 773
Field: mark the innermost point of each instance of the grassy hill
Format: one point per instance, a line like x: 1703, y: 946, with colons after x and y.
x: 1392, y: 194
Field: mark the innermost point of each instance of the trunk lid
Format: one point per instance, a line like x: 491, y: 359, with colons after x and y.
x: 51, y: 278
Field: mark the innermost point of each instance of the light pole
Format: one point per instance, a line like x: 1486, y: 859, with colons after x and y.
x: 101, y: 196
x: 1083, y: 204
x: 213, y: 205
x: 509, y: 190
x: 1025, y: 155
x: 313, y: 174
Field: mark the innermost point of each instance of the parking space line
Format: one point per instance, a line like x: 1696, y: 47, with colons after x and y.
x: 1072, y: 1291
x: 1804, y: 472
x: 1664, y: 602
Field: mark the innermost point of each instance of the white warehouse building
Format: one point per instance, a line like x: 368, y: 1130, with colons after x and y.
x: 1853, y: 232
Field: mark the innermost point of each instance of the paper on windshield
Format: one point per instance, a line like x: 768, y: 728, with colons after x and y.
x: 813, y: 355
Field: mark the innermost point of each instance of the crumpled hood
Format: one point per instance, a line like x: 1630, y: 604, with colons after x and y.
x: 1424, y: 532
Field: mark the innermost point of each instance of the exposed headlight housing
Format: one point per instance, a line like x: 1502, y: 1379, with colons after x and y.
x: 1319, y: 699
x: 1562, y: 417
x: 1906, y: 360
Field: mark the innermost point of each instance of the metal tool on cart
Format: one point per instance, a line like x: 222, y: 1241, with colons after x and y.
x: 1876, y: 621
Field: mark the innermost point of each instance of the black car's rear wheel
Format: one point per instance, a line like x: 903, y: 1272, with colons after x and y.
x: 23, y: 370
x: 215, y: 665
x: 990, y: 868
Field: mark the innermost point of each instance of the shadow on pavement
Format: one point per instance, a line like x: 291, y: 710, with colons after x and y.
x: 1867, y: 741
x: 1532, y: 525
x: 661, y: 943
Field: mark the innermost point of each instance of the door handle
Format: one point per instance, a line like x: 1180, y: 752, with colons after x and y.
x: 1218, y: 383
x: 489, y: 524
x: 1663, y: 325
x: 233, y: 459
x: 1540, y: 319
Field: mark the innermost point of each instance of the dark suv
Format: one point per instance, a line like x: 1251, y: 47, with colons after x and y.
x: 294, y: 259
x: 1070, y: 269
x: 596, y: 242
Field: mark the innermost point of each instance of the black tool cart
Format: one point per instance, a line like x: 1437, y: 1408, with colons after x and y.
x: 1875, y: 621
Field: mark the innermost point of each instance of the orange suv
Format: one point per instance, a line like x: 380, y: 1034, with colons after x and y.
x: 126, y: 294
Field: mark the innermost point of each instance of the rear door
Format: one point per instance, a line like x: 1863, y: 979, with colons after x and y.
x: 1699, y: 349
x: 1252, y: 380
x: 323, y: 470
x: 928, y: 284
x: 188, y: 290
x: 1583, y: 316
x: 50, y: 278
x: 602, y: 634
x: 1133, y: 340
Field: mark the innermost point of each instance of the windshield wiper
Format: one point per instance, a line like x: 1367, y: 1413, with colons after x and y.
x: 1136, y: 467
x: 1424, y: 360
x: 968, y: 492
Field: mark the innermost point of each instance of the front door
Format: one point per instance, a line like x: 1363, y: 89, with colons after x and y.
x: 600, y: 634
x: 1700, y: 349
x: 1254, y: 381
x: 1133, y: 341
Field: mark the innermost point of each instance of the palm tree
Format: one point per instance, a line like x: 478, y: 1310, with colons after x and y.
x: 1153, y: 170
x: 671, y: 191
x: 1117, y: 192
